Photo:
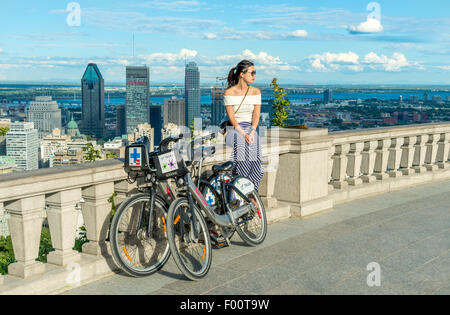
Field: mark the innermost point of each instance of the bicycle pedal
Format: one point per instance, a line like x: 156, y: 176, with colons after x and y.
x: 220, y: 245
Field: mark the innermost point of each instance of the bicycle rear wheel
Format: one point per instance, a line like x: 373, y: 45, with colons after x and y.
x: 133, y: 250
x: 192, y: 254
x: 252, y: 227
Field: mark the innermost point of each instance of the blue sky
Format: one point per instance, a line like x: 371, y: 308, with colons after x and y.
x: 305, y: 42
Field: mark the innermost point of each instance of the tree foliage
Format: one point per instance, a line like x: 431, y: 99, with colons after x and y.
x: 280, y: 105
x: 90, y: 154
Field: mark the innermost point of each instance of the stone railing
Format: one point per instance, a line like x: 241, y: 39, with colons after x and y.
x: 307, y: 172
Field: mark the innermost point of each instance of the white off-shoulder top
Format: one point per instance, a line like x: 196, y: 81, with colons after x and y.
x: 245, y: 112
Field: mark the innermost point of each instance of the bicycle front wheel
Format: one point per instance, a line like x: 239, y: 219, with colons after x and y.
x: 192, y: 253
x: 133, y: 249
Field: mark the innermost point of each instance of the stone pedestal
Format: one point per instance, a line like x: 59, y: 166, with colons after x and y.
x: 25, y: 226
x: 96, y: 213
x: 302, y: 176
x: 63, y: 219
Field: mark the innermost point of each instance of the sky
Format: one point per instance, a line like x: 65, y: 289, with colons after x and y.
x: 298, y: 42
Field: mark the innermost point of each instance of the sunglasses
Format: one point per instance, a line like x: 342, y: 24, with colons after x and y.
x: 253, y: 73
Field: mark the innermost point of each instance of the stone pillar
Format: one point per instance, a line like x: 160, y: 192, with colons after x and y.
x: 123, y: 189
x: 339, y: 173
x: 354, y: 164
x: 96, y: 214
x: 331, y: 152
x: 395, y: 157
x: 368, y: 161
x: 63, y: 219
x: 408, y: 155
x: 25, y: 226
x: 419, y: 154
x: 302, y: 177
x: 443, y: 151
x: 431, y: 152
x: 267, y: 186
x: 381, y: 161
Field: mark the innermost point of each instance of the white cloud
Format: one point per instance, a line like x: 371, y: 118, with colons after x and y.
x: 395, y: 63
x: 339, y: 58
x: 1, y: 50
x: 210, y: 36
x: 300, y: 33
x: 369, y: 26
x: 446, y: 68
x: 169, y: 58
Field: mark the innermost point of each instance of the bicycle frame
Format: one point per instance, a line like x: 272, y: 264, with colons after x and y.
x: 225, y: 220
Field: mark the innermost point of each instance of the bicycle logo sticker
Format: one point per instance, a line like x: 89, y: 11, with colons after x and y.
x: 168, y: 162
x: 135, y: 157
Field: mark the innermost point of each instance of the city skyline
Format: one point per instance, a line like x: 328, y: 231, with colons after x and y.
x: 349, y: 42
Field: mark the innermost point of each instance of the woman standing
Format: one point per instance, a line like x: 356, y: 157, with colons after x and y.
x: 243, y: 106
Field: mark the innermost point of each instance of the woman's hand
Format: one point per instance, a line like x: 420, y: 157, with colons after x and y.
x: 250, y: 138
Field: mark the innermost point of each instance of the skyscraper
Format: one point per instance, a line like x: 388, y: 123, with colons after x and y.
x: 120, y: 120
x: 327, y: 96
x: 45, y: 114
x: 137, y: 97
x: 93, y: 98
x: 174, y: 111
x: 191, y: 93
x: 217, y: 105
x: 22, y: 144
x: 156, y: 123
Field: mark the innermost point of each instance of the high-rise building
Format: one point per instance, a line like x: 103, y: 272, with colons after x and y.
x: 174, y: 109
x: 425, y: 97
x: 217, y: 105
x: 120, y: 120
x: 45, y: 114
x: 22, y: 144
x: 327, y: 96
x: 137, y: 97
x: 93, y: 98
x: 414, y: 99
x: 192, y: 93
x: 156, y: 123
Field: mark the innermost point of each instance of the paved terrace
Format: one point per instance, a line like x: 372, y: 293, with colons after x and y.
x: 406, y: 232
x: 323, y: 232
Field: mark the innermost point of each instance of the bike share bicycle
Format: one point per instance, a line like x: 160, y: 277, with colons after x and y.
x: 138, y: 239
x: 231, y: 210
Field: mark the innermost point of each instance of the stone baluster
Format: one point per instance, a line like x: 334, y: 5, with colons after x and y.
x: 267, y: 186
x: 419, y: 154
x: 354, y: 164
x: 368, y: 161
x: 431, y: 152
x: 63, y: 219
x: 382, y: 157
x: 25, y: 226
x: 331, y: 152
x: 443, y: 155
x: 408, y: 155
x: 123, y: 190
x: 339, y: 173
x: 96, y: 214
x: 395, y: 157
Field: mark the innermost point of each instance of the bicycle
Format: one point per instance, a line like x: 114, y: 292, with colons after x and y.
x: 187, y: 230
x: 138, y: 239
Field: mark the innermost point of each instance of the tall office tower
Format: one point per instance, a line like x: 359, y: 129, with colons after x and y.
x: 425, y: 97
x: 217, y: 105
x: 120, y: 120
x: 137, y: 97
x: 156, y: 123
x: 93, y: 98
x: 45, y: 114
x: 191, y: 93
x: 22, y: 144
x: 174, y: 109
x: 327, y: 96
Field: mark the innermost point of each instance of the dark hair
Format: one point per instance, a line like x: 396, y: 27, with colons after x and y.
x: 233, y: 75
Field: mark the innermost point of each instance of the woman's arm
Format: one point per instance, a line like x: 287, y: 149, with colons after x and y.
x: 255, y: 117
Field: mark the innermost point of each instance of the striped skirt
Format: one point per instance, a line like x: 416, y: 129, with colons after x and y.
x: 246, y: 158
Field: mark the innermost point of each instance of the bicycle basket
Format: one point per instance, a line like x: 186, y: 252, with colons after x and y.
x: 136, y: 158
x: 169, y: 164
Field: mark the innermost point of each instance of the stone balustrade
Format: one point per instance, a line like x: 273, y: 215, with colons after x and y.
x: 306, y: 172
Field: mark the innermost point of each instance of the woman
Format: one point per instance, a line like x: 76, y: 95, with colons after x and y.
x: 243, y: 106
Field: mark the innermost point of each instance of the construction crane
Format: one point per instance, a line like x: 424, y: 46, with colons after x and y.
x: 217, y: 79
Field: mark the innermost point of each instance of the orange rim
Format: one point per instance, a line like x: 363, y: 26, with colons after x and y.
x: 204, y: 252
x: 176, y: 220
x: 164, y: 223
x: 126, y: 254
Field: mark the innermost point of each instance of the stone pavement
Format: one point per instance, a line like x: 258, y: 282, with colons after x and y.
x: 406, y: 233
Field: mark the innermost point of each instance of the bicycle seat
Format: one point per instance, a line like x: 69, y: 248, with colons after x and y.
x: 223, y: 167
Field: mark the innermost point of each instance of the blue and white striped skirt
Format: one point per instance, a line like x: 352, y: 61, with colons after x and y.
x: 246, y: 158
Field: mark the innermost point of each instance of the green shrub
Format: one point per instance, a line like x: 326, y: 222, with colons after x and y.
x: 6, y: 254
